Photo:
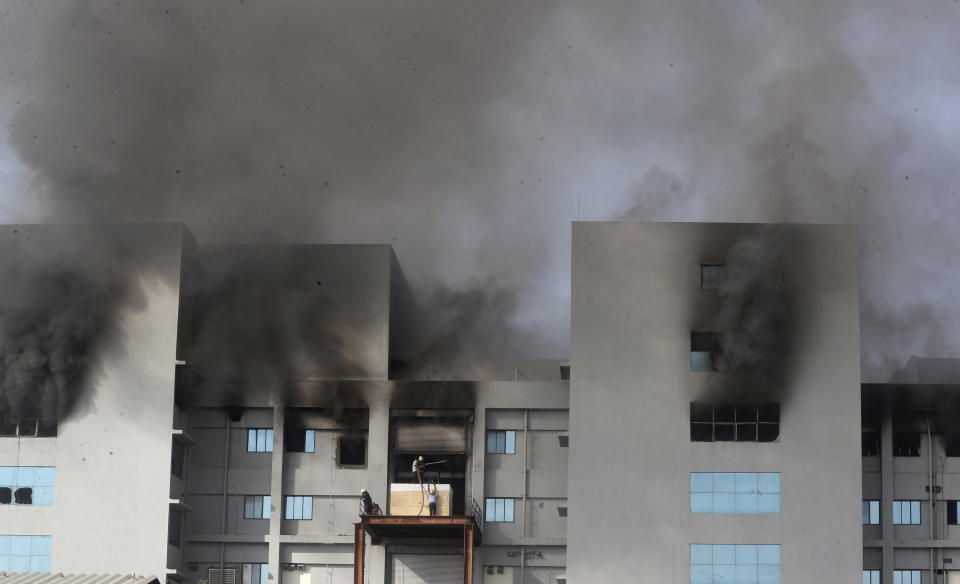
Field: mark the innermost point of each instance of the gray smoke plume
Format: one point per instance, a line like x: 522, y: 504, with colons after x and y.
x: 468, y: 135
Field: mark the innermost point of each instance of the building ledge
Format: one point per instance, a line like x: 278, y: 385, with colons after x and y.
x: 225, y: 538
x: 401, y: 526
x: 914, y: 543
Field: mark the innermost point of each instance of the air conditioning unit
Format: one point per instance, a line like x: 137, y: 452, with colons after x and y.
x: 229, y: 576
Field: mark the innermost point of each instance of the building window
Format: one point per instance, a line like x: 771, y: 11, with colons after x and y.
x: 705, y: 348
x: 351, y: 452
x: 712, y: 276
x: 255, y: 573
x: 710, y: 564
x: 256, y: 507
x: 501, y: 441
x: 177, y: 457
x: 734, y: 422
x: 734, y: 492
x: 499, y: 510
x: 952, y: 508
x: 26, y: 485
x: 906, y: 443
x: 870, y: 433
x: 25, y: 553
x: 906, y: 577
x: 298, y: 508
x: 300, y: 440
x: 564, y: 373
x: 174, y: 523
x: 871, y: 512
x: 906, y: 512
x: 871, y: 577
x: 260, y: 440
x: 27, y: 427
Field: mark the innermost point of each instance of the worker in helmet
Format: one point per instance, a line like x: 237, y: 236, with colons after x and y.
x: 418, y: 469
x: 366, y: 503
x: 432, y: 495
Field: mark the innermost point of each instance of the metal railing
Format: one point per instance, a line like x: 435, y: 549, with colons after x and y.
x: 477, y: 513
x: 374, y: 511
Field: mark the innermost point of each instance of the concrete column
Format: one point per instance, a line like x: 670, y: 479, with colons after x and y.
x: 886, y: 495
x: 378, y: 480
x: 276, y: 493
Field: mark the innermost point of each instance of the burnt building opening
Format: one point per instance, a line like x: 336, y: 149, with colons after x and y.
x: 734, y: 422
x: 442, y: 438
x: 951, y: 444
x: 870, y: 433
x: 705, y: 350
x: 906, y: 435
x: 351, y: 451
x: 28, y: 427
x: 6, y: 495
x: 23, y: 496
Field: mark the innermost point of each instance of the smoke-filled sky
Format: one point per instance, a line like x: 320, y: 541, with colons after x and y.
x: 469, y: 134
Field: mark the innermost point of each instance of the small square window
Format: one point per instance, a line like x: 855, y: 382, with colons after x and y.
x: 712, y: 276
x: 352, y: 451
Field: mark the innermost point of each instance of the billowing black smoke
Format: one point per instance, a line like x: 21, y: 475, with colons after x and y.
x: 64, y: 293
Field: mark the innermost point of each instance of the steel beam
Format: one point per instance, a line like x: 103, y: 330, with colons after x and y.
x: 359, y: 539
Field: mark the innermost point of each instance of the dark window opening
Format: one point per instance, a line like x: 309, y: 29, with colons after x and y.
x: 734, y: 422
x: 952, y: 512
x: 951, y: 445
x: 564, y: 373
x: 300, y: 440
x: 352, y: 451
x: 6, y: 495
x: 870, y: 443
x: 906, y: 443
x: 47, y: 428
x: 173, y: 527
x: 177, y: 457
x: 28, y: 427
x: 23, y: 496
x: 705, y: 349
x: 712, y: 276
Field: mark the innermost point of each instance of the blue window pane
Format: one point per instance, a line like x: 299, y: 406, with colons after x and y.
x: 20, y: 545
x: 874, y: 512
x: 251, y: 440
x: 866, y: 577
x: 701, y: 574
x: 261, y: 440
x: 768, y: 503
x: 298, y: 507
x: 264, y: 573
x: 724, y: 503
x: 897, y: 518
x: 508, y: 510
x: 308, y: 507
x: 6, y: 475
x: 4, y: 545
x: 724, y: 482
x: 45, y: 476
x: 768, y: 482
x: 746, y: 482
x: 768, y: 554
x: 745, y: 574
x: 269, y: 447
x: 724, y: 554
x: 746, y: 554
x: 723, y: 573
x: 701, y: 482
x: 768, y: 574
x: 499, y: 513
x: 898, y: 577
x: 915, y: 513
x: 24, y: 476
x: 491, y: 509
x: 511, y: 442
x: 491, y: 442
x: 746, y: 503
x: 501, y: 442
x: 19, y: 563
x: 248, y: 507
x: 700, y: 361
x: 43, y: 495
x: 310, y: 442
x: 701, y: 554
x: 40, y: 564
x: 288, y: 508
x: 701, y: 503
x: 5, y: 563
x: 266, y: 507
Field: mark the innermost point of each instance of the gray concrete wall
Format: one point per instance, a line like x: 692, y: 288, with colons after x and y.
x: 635, y: 298
x: 112, y: 457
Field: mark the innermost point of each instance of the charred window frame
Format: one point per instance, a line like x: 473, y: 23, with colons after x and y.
x: 951, y: 445
x: 351, y: 451
x: 712, y: 276
x: 870, y: 434
x: 300, y: 440
x: 705, y: 349
x: 734, y: 422
x: 906, y: 443
x: 28, y: 427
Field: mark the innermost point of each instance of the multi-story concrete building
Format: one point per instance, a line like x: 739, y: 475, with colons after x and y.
x: 710, y: 408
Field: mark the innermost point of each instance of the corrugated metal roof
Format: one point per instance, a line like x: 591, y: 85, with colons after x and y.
x: 49, y: 578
